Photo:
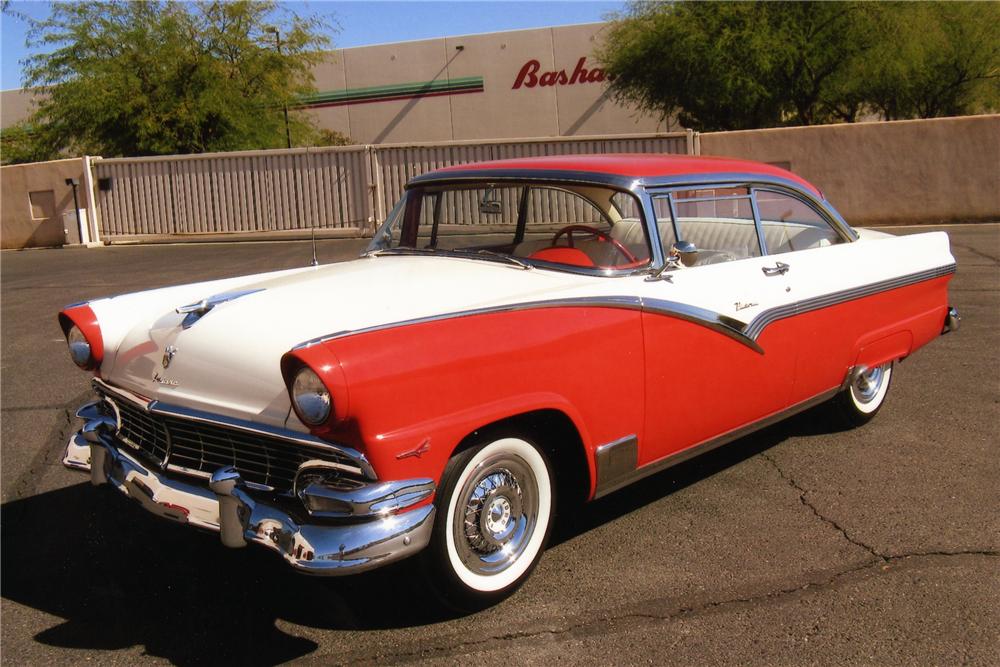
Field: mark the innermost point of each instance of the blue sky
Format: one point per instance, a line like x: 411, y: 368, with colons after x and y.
x: 369, y: 22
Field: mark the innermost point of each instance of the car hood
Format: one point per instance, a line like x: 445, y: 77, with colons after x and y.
x: 227, y: 360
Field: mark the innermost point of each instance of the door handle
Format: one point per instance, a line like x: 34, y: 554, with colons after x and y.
x: 779, y: 269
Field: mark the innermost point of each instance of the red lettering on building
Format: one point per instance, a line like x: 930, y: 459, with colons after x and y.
x: 529, y: 77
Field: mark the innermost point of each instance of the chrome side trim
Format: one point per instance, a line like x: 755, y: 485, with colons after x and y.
x: 615, y: 462
x: 679, y: 457
x: 304, y: 439
x: 756, y: 327
x: 744, y: 333
x: 723, y: 324
x: 626, y: 302
x: 716, y: 321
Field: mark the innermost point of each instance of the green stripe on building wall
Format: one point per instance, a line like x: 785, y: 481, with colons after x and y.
x: 375, y: 93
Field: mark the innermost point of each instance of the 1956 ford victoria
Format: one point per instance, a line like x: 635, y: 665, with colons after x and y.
x: 514, y: 328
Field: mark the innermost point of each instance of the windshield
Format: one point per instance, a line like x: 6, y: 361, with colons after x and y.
x: 570, y: 227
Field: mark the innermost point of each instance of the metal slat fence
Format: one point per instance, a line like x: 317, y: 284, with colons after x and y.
x: 340, y: 190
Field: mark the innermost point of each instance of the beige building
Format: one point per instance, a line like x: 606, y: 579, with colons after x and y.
x: 519, y: 84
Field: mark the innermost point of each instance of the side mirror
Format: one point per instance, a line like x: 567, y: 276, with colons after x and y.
x: 684, y: 252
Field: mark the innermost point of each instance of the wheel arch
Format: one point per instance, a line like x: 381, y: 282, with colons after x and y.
x: 559, y: 438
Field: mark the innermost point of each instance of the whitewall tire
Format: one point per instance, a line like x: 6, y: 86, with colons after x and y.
x: 494, y: 513
x: 861, y: 400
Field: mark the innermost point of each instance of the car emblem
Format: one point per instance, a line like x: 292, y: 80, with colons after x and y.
x: 168, y: 355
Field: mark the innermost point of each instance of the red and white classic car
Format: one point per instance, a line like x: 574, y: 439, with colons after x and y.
x: 514, y: 328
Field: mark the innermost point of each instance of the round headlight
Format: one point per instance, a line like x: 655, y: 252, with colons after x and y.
x: 79, y: 348
x: 311, y: 397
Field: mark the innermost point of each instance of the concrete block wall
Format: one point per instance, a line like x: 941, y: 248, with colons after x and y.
x: 886, y: 173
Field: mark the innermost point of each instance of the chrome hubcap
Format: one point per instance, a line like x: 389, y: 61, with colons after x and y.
x: 866, y: 385
x: 497, y: 514
x: 497, y: 517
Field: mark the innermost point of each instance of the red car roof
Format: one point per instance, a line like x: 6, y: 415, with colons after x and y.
x: 639, y: 165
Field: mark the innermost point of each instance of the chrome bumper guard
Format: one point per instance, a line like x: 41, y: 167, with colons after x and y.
x: 376, y: 537
x: 952, y: 321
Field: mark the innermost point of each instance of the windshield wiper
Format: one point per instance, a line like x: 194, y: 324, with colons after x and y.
x: 399, y: 251
x: 492, y: 254
x: 482, y: 252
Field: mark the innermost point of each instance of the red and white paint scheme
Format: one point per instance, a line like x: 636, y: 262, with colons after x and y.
x: 515, y: 328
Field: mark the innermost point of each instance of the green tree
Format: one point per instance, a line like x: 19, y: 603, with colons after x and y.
x: 730, y: 66
x: 933, y: 59
x: 816, y: 46
x: 709, y: 64
x: 156, y: 77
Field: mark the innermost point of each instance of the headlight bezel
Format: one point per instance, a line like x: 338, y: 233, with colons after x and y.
x: 80, y: 350
x: 312, y: 400
x: 80, y: 322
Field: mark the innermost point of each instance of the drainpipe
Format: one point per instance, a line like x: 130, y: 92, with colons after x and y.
x: 93, y: 233
x: 73, y: 182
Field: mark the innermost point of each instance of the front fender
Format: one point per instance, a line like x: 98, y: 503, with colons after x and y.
x: 416, y: 391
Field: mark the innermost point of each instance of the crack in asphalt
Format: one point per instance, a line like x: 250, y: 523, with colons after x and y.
x: 879, y: 556
x: 606, y: 623
x: 803, y: 492
x: 28, y: 481
x: 31, y: 408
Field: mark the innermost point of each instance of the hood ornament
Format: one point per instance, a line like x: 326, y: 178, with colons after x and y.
x: 168, y: 355
x: 194, y: 311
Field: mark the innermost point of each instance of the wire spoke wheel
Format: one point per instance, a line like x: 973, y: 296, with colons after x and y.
x: 498, y: 514
x: 493, y: 521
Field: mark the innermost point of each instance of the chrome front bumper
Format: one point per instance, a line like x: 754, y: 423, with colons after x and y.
x: 324, y: 548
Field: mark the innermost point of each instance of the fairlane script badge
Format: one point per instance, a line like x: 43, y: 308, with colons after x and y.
x: 158, y: 379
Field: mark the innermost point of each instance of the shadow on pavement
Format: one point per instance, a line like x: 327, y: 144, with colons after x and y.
x: 122, y: 578
x: 571, y: 523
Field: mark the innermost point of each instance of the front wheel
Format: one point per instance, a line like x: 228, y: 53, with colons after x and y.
x: 864, y: 396
x: 494, y: 514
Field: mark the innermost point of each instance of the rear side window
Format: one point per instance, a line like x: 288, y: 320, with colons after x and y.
x: 718, y: 221
x: 789, y: 224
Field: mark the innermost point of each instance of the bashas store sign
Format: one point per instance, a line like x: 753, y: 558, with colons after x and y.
x: 529, y: 76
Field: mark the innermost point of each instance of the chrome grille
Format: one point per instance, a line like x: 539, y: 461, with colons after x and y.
x: 199, y: 449
x: 141, y: 431
x: 262, y: 460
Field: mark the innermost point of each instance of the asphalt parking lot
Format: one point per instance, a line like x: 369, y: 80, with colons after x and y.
x: 879, y: 545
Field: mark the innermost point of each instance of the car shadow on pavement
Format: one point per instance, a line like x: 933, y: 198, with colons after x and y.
x: 575, y: 521
x: 121, y: 578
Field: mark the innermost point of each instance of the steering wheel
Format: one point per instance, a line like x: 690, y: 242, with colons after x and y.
x: 601, y: 236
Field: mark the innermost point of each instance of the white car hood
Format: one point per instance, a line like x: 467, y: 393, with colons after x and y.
x: 227, y: 362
